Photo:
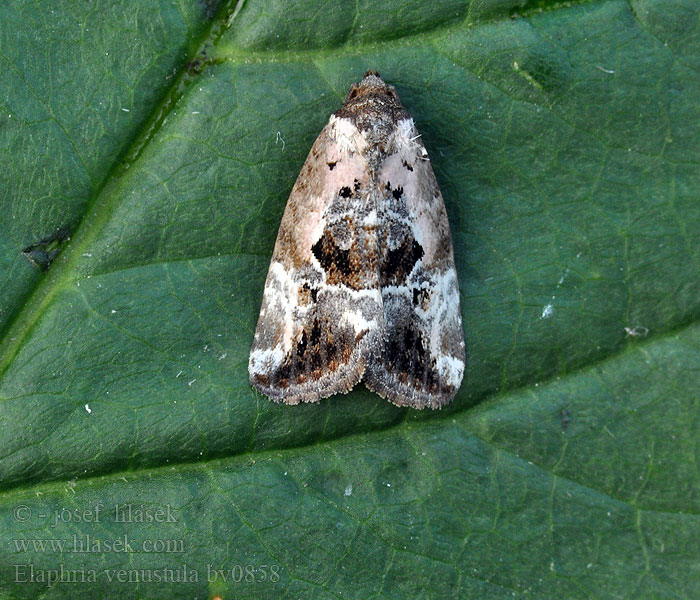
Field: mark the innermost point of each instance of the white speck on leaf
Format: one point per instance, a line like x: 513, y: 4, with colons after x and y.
x: 87, y: 408
x: 637, y: 331
x: 547, y: 312
x: 348, y: 490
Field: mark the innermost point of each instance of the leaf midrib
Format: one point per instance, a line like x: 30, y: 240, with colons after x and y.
x: 482, y: 406
x: 210, y: 465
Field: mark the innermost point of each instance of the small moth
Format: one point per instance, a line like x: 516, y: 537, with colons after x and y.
x: 362, y: 283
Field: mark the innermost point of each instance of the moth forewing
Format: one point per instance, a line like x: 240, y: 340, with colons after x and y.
x: 362, y: 282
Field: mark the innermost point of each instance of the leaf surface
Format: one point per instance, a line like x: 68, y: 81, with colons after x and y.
x: 149, y: 150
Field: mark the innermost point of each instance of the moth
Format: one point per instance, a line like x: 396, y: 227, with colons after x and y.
x: 362, y: 283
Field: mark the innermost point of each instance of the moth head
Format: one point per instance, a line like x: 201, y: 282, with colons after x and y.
x: 372, y: 88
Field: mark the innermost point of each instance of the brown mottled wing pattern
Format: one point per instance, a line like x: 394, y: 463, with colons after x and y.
x: 422, y: 356
x: 321, y: 309
x: 362, y: 283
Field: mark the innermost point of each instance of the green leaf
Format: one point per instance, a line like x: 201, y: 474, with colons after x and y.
x: 148, y: 151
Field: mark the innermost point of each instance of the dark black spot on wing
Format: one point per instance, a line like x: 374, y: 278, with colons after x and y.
x: 332, y: 164
x: 302, y: 344
x: 420, y: 296
x: 322, y: 347
x: 315, y: 333
x: 398, y: 263
x: 345, y: 192
x: 407, y: 359
x: 397, y: 193
x: 331, y: 257
x: 347, y: 254
x: 306, y: 295
x: 405, y: 164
